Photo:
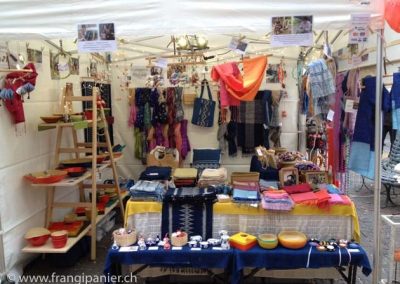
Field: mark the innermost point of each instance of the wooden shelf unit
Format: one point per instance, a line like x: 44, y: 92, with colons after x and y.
x: 78, y: 149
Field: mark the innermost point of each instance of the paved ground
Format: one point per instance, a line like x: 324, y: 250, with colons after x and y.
x: 363, y: 198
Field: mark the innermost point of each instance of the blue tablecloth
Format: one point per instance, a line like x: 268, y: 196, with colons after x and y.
x: 235, y: 260
x: 206, y: 258
x: 308, y: 257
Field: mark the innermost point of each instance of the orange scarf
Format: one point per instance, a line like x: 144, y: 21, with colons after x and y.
x: 244, y: 87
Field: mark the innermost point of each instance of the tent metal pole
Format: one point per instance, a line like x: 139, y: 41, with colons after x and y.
x: 378, y: 157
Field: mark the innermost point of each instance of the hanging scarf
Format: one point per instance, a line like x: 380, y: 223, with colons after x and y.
x: 185, y: 139
x: 179, y: 113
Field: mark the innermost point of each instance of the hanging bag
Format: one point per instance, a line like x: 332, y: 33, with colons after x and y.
x: 203, y: 110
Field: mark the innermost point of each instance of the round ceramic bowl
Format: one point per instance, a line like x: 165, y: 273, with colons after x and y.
x: 267, y: 241
x: 37, y: 236
x: 292, y: 239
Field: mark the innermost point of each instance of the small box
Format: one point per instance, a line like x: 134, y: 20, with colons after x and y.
x: 243, y: 241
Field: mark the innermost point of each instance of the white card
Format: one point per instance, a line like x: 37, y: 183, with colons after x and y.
x: 128, y: 249
x: 217, y: 248
x: 349, y: 106
x: 330, y: 115
x: 195, y: 249
x: 176, y: 248
x: 162, y: 62
x: 153, y: 248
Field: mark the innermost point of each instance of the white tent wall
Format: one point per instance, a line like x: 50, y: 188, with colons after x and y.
x: 24, y: 151
x: 200, y: 137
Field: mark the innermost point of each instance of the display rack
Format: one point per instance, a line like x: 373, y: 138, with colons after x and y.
x: 78, y: 149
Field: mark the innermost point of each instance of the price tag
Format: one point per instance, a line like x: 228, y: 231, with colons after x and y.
x: 349, y: 107
x: 195, y: 249
x: 330, y: 115
x: 128, y: 249
x: 259, y: 153
x: 153, y: 248
x: 176, y: 248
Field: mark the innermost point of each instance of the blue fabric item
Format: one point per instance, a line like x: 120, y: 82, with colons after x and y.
x: 245, y: 195
x: 363, y: 145
x: 205, y: 258
x: 332, y: 189
x: 147, y: 190
x: 206, y: 156
x: 395, y: 96
x: 282, y: 258
x: 265, y: 173
x: 156, y: 173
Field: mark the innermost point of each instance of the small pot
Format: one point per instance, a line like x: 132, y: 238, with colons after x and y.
x: 204, y: 245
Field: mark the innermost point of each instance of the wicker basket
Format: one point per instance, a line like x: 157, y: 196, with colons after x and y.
x: 125, y: 240
x: 179, y: 241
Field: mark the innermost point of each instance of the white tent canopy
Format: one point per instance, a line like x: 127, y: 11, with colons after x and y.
x: 59, y: 19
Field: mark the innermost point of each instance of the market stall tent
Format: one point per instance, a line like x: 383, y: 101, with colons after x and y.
x: 22, y: 207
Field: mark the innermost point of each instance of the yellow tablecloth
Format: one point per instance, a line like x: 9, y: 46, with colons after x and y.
x: 137, y: 207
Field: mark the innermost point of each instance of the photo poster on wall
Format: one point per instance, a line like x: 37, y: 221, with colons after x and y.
x: 272, y: 73
x: 359, y: 28
x: 238, y: 45
x: 74, y: 68
x: 54, y: 70
x: 4, y: 57
x: 292, y: 31
x: 96, y: 37
x: 34, y: 55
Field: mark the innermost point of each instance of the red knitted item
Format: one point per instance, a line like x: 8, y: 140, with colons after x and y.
x: 297, y: 188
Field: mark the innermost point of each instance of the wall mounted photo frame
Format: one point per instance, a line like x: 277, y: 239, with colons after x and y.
x: 288, y: 176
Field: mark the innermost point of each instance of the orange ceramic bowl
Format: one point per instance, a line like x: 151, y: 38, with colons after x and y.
x: 37, y: 236
x: 292, y: 239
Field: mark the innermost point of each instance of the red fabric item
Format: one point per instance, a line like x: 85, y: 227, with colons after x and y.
x: 323, y: 198
x: 308, y: 198
x: 243, y: 88
x: 13, y: 81
x: 297, y: 188
x: 392, y: 14
x: 333, y: 160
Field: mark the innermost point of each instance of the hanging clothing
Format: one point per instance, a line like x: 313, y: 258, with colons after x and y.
x: 179, y: 112
x: 351, y: 90
x: 230, y: 136
x: 185, y: 139
x: 362, y: 154
x: 395, y: 95
x: 250, y: 126
x: 242, y: 87
x: 321, y: 87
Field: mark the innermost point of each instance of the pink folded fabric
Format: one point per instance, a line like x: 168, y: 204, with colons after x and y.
x: 246, y: 185
x: 335, y: 199
x: 275, y: 195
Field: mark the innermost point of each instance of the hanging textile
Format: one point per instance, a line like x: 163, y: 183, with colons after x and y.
x: 250, y: 127
x: 362, y: 155
x: 395, y: 95
x: 351, y: 89
x: 242, y: 87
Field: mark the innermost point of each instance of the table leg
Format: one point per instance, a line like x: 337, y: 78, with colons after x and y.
x: 388, y: 197
x: 252, y: 273
x: 354, y: 279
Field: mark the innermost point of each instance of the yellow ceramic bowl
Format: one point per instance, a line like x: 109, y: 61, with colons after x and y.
x: 267, y: 241
x: 292, y: 239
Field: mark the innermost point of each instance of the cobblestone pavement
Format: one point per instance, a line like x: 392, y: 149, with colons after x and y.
x: 363, y: 198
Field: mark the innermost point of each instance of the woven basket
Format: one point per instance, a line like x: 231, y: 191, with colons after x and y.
x: 179, y: 241
x: 125, y: 240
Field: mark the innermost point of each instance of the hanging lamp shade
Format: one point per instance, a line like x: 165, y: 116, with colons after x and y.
x: 242, y: 87
x: 392, y: 14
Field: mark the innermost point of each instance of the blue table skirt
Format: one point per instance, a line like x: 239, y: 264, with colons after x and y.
x: 307, y: 257
x: 206, y: 258
x: 234, y: 260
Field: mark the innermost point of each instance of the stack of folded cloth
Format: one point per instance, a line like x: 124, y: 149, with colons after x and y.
x: 303, y: 194
x: 246, y: 191
x: 213, y: 177
x: 185, y: 177
x: 156, y: 173
x: 147, y: 190
x: 278, y: 200
x: 190, y: 194
x: 336, y: 199
x: 268, y: 185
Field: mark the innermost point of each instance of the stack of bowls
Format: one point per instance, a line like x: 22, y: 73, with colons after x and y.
x: 59, y: 238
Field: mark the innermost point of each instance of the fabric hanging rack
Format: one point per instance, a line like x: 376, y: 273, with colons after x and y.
x: 16, y: 70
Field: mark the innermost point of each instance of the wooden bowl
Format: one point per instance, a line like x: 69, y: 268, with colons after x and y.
x: 292, y: 239
x: 51, y: 119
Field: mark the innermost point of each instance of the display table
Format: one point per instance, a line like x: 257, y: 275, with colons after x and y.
x: 308, y: 257
x: 234, y: 261
x: 339, y: 221
x: 205, y: 258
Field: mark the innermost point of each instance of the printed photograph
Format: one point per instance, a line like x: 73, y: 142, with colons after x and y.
x: 288, y: 176
x: 107, y: 31
x: 281, y: 25
x: 74, y: 68
x: 34, y: 55
x: 302, y: 24
x: 88, y: 32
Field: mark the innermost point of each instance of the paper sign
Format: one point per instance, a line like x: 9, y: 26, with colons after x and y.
x: 162, y: 62
x: 139, y: 73
x: 359, y: 28
x: 238, y: 46
x: 195, y: 249
x: 330, y: 115
x: 259, y: 153
x: 176, y: 248
x: 128, y: 249
x: 153, y: 248
x: 292, y: 31
x: 349, y: 107
x: 96, y: 37
x: 356, y: 60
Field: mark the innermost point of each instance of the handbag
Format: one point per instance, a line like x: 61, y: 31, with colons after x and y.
x: 203, y: 110
x: 163, y: 157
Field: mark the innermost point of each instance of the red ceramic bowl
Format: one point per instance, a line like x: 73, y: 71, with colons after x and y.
x: 37, y: 236
x: 75, y: 171
x: 104, y: 199
x: 59, y: 238
x: 38, y: 241
x: 59, y: 243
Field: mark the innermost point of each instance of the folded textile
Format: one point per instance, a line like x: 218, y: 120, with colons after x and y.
x: 275, y: 194
x: 245, y: 195
x: 246, y: 185
x: 185, y: 173
x: 322, y: 198
x: 212, y: 174
x: 156, y: 173
x: 245, y: 176
x: 308, y: 198
x: 298, y: 188
x: 331, y: 188
x: 188, y: 194
x: 147, y: 190
x: 277, y: 205
x: 335, y: 198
